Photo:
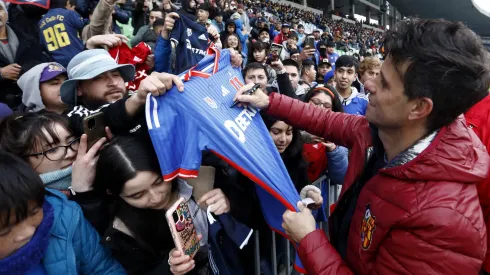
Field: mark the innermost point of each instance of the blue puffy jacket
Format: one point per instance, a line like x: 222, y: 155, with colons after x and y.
x: 74, y: 245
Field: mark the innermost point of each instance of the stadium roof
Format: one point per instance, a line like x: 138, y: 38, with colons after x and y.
x: 474, y: 13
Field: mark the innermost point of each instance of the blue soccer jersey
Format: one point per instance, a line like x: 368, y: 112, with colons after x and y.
x: 356, y: 104
x: 59, y: 31
x: 182, y: 125
x: 333, y: 57
x: 191, y: 40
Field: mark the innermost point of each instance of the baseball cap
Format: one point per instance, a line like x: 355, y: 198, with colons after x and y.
x: 51, y: 71
x: 324, y: 62
x: 300, y: 26
x: 262, y: 19
x: 317, y: 30
x: 331, y: 44
x: 203, y: 6
x: 87, y: 65
x: 285, y: 25
x: 329, y: 75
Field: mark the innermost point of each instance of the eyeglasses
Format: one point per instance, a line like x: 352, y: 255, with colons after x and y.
x: 58, y: 152
x: 317, y: 102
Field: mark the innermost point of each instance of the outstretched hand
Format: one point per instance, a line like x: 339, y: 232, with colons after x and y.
x: 108, y: 40
x: 258, y: 100
x: 158, y: 84
x: 298, y: 224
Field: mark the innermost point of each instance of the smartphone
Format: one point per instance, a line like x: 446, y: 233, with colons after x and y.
x: 94, y: 128
x: 179, y: 220
x: 310, y: 42
x: 274, y: 53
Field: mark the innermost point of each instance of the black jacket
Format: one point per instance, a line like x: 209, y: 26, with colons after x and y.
x: 135, y: 257
x: 115, y: 117
x: 29, y: 54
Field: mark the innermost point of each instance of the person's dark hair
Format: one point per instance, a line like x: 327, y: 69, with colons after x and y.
x: 257, y: 46
x: 61, y: 4
x: 290, y: 62
x: 120, y: 161
x: 447, y: 63
x: 336, y: 103
x: 19, y: 185
x: 306, y: 64
x: 347, y: 61
x: 156, y: 9
x: 160, y: 22
x: 293, y: 35
x: 238, y: 47
x: 264, y: 30
x: 21, y: 134
x: 292, y: 156
x: 254, y: 66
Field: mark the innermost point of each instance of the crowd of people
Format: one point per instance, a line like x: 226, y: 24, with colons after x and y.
x: 399, y: 119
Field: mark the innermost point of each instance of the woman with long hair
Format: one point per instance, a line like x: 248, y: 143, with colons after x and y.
x: 233, y: 42
x: 129, y: 183
x: 45, y: 141
x: 41, y: 231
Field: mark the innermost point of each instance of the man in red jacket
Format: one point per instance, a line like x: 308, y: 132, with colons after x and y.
x: 478, y: 119
x: 409, y: 204
x: 283, y: 35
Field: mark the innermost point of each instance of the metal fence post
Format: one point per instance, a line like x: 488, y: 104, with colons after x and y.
x: 274, y: 254
x: 257, y: 252
x: 288, y: 257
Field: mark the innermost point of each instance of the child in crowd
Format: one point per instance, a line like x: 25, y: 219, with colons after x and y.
x: 60, y: 31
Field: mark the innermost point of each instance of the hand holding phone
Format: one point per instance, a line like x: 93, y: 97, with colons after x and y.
x: 274, y: 53
x: 309, y: 42
x: 94, y: 128
x: 179, y: 220
x: 179, y: 262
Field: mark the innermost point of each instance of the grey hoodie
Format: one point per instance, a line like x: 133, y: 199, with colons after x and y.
x: 29, y: 84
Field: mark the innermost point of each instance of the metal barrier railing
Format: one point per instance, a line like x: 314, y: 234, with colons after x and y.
x: 287, y: 269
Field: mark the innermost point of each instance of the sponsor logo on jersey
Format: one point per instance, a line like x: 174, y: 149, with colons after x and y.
x: 367, y: 228
x: 194, y: 50
x: 224, y: 91
x: 189, y: 32
x: 211, y: 102
x: 202, y: 37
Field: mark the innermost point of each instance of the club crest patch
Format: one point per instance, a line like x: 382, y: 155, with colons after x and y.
x: 367, y: 228
x: 211, y: 102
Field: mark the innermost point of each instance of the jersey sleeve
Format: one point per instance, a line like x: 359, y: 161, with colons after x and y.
x: 177, y: 33
x: 75, y: 20
x: 177, y: 141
